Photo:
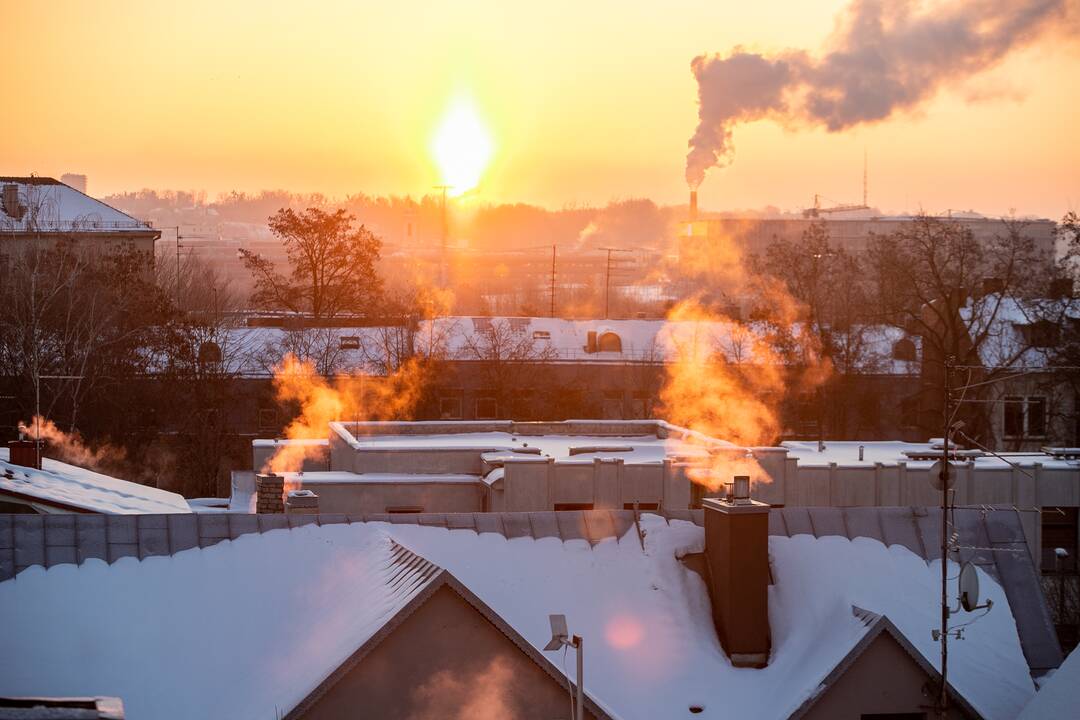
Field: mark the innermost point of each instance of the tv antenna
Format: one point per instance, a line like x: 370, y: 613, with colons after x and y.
x: 560, y: 638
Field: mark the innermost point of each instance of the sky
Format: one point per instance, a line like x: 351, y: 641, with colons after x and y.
x: 584, y: 103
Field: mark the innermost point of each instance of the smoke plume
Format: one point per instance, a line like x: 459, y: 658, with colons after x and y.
x: 347, y: 398
x: 885, y: 56
x: 70, y: 447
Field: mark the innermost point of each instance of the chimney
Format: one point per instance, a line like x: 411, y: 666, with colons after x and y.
x: 737, y: 555
x: 25, y: 453
x: 693, y: 205
x: 302, y: 502
x: 270, y: 489
x: 590, y: 341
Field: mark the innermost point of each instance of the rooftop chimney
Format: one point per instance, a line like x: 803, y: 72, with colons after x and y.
x: 25, y: 453
x: 270, y: 489
x: 693, y: 205
x: 302, y: 502
x: 737, y: 555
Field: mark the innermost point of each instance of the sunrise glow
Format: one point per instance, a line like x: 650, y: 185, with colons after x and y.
x: 462, y: 147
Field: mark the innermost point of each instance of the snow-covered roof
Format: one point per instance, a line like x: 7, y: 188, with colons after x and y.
x: 334, y: 477
x: 63, y: 486
x: 1059, y: 695
x: 52, y: 206
x: 647, y: 341
x: 891, y: 452
x: 645, y: 617
x: 1007, y: 323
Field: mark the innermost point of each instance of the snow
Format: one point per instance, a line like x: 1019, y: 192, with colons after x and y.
x: 890, y: 452
x: 55, y: 206
x: 643, y: 448
x: 144, y: 631
x: 1059, y: 697
x: 650, y: 648
x: 332, y: 477
x: 76, y: 487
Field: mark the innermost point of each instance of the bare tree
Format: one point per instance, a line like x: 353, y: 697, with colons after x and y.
x: 332, y: 265
x: 505, y: 357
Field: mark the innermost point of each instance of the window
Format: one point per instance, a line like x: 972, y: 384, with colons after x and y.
x: 1059, y: 530
x: 349, y: 342
x: 609, y: 342
x: 541, y: 335
x: 268, y: 419
x: 450, y: 407
x: 1024, y: 417
x: 209, y: 353
x: 642, y: 506
x: 486, y: 408
x: 904, y: 349
x: 404, y: 509
x: 562, y: 507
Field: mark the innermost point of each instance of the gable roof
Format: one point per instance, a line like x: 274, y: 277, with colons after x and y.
x: 436, y: 578
x: 60, y: 486
x: 52, y: 206
x: 877, y: 625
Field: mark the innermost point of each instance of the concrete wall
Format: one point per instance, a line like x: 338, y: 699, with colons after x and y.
x: 884, y: 679
x: 354, y: 498
x: 606, y: 484
x: 445, y: 660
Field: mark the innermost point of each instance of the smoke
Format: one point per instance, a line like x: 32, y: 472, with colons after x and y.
x: 885, y: 56
x: 461, y: 695
x: 70, y: 447
x: 348, y: 398
x: 729, y: 378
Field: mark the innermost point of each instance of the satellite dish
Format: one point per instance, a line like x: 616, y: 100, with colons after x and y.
x: 969, y: 587
x: 559, y: 632
x: 935, y: 474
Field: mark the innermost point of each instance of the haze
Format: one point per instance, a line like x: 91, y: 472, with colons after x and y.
x: 585, y: 103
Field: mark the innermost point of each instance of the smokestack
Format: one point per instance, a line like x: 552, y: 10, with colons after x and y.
x: 302, y: 502
x: 270, y: 489
x: 737, y: 555
x: 25, y: 453
x: 693, y: 205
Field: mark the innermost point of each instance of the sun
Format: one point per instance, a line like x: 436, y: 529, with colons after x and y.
x: 462, y: 146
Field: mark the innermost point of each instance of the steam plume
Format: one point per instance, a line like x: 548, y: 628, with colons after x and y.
x: 885, y: 56
x: 70, y: 447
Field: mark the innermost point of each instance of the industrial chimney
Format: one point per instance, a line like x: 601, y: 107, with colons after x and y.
x: 737, y: 555
x: 693, y: 205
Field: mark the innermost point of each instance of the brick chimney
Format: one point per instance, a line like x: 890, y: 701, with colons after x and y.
x: 302, y: 502
x: 25, y: 453
x: 271, y: 491
x: 737, y: 555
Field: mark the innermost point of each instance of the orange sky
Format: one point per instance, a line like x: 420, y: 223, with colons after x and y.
x: 586, y: 102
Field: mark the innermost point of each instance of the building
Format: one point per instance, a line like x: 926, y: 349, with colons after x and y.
x: 41, y: 210
x: 47, y: 486
x: 801, y: 614
x: 853, y: 232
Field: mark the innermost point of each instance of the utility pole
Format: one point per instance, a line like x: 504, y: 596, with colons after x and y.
x: 607, y: 280
x: 943, y: 698
x: 443, y: 274
x: 553, y: 280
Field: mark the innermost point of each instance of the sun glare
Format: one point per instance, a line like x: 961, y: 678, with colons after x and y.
x: 462, y: 147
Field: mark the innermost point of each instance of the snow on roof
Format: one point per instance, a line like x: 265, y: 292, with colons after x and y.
x: 332, y: 477
x: 1059, y: 696
x: 74, y: 487
x: 52, y: 206
x: 651, y: 650
x: 655, y: 341
x: 890, y: 452
x: 141, y: 628
x: 1007, y: 322
x: 631, y: 448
